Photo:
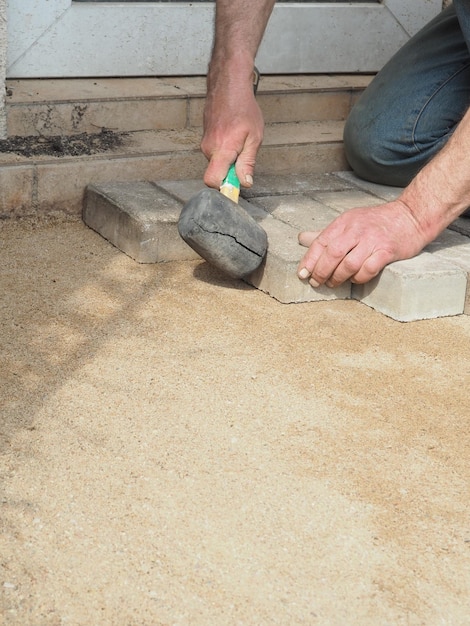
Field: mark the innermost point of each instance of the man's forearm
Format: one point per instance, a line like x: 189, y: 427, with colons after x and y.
x: 441, y: 190
x: 233, y: 122
x: 239, y: 29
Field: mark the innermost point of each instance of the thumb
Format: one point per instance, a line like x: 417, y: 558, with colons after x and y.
x: 218, y: 167
x: 245, y: 168
x: 245, y: 165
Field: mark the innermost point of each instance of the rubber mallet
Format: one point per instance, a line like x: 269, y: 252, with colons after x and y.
x: 221, y: 231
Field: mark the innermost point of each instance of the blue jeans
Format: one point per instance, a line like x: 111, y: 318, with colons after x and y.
x: 413, y: 105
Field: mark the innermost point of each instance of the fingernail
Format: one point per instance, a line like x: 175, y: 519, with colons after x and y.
x: 304, y: 273
x: 249, y: 179
x: 314, y: 283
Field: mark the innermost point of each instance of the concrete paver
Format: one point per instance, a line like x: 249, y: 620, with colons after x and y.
x: 432, y: 284
x: 447, y: 246
x: 299, y: 211
x: 381, y: 191
x: 287, y: 184
x: 139, y: 219
x: 182, y: 190
x: 345, y: 200
x: 461, y: 225
x: 420, y: 288
x: 277, y: 274
x: 454, y: 248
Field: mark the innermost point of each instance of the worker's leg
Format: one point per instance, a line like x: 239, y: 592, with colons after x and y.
x: 412, y: 106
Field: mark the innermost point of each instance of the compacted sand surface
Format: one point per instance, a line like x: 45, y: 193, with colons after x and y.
x: 179, y: 448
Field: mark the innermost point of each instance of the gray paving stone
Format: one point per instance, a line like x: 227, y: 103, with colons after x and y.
x: 284, y: 184
x: 342, y: 201
x: 184, y: 190
x: 454, y: 248
x: 139, y: 219
x: 389, y: 193
x: 277, y: 275
x: 299, y: 211
x: 451, y: 246
x: 381, y: 191
x: 421, y: 288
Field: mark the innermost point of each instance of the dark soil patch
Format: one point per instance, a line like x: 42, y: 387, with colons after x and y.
x: 63, y: 145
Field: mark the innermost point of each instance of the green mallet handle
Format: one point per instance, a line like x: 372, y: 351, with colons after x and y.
x: 231, y: 185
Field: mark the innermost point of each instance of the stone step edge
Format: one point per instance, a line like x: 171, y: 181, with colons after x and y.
x: 31, y: 186
x: 166, y: 142
x: 151, y: 105
x: 25, y: 92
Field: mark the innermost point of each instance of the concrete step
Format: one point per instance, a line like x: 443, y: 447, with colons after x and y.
x: 69, y: 106
x: 162, y: 119
x: 45, y: 184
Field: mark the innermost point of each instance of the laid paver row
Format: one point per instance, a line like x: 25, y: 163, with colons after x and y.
x: 140, y: 218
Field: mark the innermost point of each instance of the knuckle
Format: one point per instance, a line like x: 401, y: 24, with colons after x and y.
x: 337, y: 250
x: 351, y: 265
x: 320, y: 275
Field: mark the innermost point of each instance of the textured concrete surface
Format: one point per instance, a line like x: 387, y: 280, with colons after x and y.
x: 453, y: 247
x: 178, y: 448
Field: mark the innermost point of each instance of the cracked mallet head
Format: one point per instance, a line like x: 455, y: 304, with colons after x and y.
x: 223, y: 233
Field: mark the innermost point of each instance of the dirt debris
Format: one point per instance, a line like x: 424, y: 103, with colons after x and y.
x: 63, y: 145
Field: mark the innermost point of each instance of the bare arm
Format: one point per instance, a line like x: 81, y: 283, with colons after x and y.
x: 233, y: 123
x: 358, y: 244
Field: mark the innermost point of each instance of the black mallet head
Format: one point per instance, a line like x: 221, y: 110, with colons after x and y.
x: 223, y: 233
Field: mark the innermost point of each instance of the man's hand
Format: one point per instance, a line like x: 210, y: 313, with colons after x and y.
x: 358, y: 244
x: 233, y: 123
x: 233, y: 131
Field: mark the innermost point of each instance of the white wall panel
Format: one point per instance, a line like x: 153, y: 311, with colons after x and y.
x: 61, y: 38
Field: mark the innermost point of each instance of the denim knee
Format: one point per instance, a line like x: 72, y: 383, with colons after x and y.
x: 376, y: 156
x: 413, y: 105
